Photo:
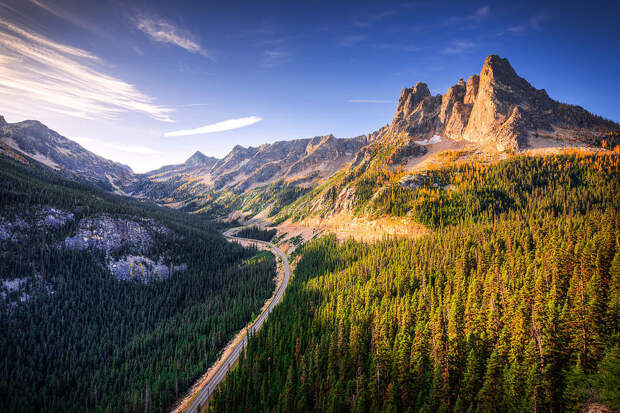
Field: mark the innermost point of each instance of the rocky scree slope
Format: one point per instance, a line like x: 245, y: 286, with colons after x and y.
x: 35, y: 140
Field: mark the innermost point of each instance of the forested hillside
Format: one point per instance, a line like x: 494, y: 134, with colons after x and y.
x: 511, y: 304
x: 255, y: 232
x: 77, y: 338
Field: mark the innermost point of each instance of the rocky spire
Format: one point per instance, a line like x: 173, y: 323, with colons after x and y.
x: 497, y: 69
x: 471, y: 89
x: 410, y: 98
x: 496, y: 107
x: 500, y: 89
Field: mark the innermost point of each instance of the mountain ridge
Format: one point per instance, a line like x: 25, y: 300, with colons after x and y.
x: 495, y: 110
x: 35, y: 140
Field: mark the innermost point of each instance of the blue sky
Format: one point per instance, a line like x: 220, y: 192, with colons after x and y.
x: 149, y: 83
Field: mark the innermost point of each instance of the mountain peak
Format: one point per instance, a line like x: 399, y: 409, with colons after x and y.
x: 496, y: 69
x: 2, y: 121
x: 421, y: 89
x: 498, y: 107
x: 410, y: 98
x: 196, y: 157
x: 199, y: 158
x: 471, y: 89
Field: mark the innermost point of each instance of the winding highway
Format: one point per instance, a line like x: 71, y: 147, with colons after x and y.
x: 229, y: 360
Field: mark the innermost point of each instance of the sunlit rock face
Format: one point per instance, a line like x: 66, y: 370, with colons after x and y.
x: 496, y: 107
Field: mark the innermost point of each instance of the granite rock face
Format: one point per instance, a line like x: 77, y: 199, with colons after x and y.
x: 107, y: 233
x: 496, y: 107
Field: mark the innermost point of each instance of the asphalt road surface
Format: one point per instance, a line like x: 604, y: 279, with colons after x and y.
x: 226, y: 364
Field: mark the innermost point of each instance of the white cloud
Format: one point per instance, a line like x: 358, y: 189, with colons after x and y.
x: 458, y: 47
x: 165, y: 32
x: 401, y: 47
x: 217, y: 127
x: 65, y: 14
x: 37, y: 74
x: 370, y: 101
x: 369, y: 19
x: 482, y: 12
x: 533, y: 23
x: 192, y: 105
x: 469, y: 20
x: 272, y: 58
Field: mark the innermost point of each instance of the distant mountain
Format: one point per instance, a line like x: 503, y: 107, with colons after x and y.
x: 303, y: 161
x: 37, y: 141
x: 194, y: 165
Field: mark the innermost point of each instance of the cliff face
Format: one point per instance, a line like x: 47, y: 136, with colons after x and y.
x: 496, y: 107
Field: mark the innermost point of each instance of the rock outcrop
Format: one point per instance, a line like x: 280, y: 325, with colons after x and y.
x: 498, y: 108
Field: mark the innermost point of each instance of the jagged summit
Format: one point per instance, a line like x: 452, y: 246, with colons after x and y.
x: 500, y: 68
x: 497, y: 107
x: 410, y: 98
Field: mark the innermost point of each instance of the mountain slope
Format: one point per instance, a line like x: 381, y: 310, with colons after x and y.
x: 304, y: 161
x: 96, y: 289
x: 35, y: 140
x: 506, y: 306
x: 493, y: 111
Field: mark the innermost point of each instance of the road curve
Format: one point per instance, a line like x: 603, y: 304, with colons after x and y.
x: 226, y: 363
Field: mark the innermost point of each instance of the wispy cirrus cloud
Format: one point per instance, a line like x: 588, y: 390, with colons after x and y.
x: 163, y: 31
x: 533, y: 23
x: 191, y: 105
x: 67, y: 15
x: 39, y: 73
x: 217, y: 127
x: 400, y: 47
x: 368, y: 19
x: 273, y: 58
x: 370, y: 101
x: 469, y: 20
x: 458, y: 47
